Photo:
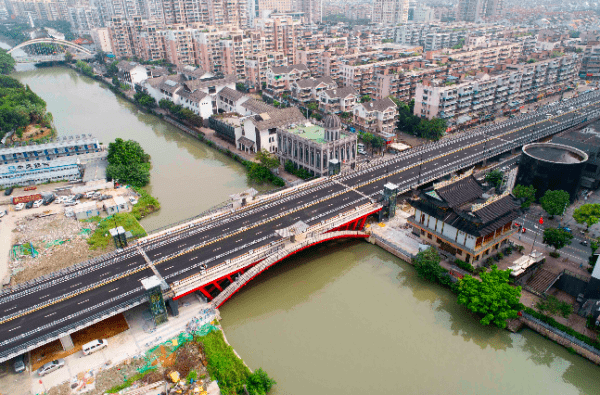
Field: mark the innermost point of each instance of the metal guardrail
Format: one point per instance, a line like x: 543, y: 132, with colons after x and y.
x: 570, y: 338
x: 255, y: 270
x: 54, y: 335
x: 240, y: 262
x: 427, y: 176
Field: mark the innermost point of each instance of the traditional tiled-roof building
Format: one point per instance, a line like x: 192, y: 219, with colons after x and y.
x: 462, y: 217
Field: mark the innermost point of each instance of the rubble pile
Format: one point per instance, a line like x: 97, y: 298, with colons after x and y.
x: 59, y: 242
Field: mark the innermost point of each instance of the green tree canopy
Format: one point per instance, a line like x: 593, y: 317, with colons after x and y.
x: 268, y: 160
x: 524, y: 192
x: 555, y: 202
x: 495, y: 177
x: 588, y: 214
x: 365, y: 98
x: 492, y: 297
x: 7, y: 63
x: 128, y: 163
x: 145, y: 99
x: 112, y: 69
x: 557, y: 238
x: 68, y: 57
x: 259, y: 383
x: 427, y: 265
x: 20, y: 106
x: 409, y: 123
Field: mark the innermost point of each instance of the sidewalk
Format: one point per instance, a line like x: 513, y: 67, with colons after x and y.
x: 141, y: 336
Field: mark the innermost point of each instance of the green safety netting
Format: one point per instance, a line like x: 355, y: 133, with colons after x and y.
x: 160, y: 355
x: 56, y: 243
x: 23, y: 249
x: 85, y: 231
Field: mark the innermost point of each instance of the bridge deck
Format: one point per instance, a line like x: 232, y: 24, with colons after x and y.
x: 38, y: 312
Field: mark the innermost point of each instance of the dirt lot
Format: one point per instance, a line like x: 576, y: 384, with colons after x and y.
x: 60, y: 241
x: 187, y: 358
x: 33, y: 132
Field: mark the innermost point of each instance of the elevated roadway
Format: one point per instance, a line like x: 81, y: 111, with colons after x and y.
x: 43, y: 310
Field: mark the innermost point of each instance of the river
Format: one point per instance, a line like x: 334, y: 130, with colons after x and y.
x: 345, y: 318
x: 184, y: 171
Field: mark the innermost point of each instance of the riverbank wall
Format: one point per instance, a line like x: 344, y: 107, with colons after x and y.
x: 564, y: 339
x: 389, y: 244
x: 214, y: 143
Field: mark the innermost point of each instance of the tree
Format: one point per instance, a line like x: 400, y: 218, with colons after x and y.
x: 128, y: 163
x: 365, y: 99
x: 85, y: 68
x: 495, y: 177
x: 557, y: 238
x: 555, y: 202
x: 312, y: 106
x: 68, y: 57
x: 259, y: 383
x: 267, y: 160
x: 112, y: 69
x: 7, y: 63
x: 116, y: 82
x: 526, y: 193
x: 427, y: 265
x: 492, y: 297
x: 145, y: 99
x: 588, y: 214
x: 240, y: 86
x: 100, y: 57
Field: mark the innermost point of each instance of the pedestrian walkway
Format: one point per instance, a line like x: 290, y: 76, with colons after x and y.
x: 142, y: 335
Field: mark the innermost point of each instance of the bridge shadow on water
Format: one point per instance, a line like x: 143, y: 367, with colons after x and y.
x: 337, y: 257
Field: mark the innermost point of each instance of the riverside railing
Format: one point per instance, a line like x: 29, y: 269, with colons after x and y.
x: 570, y: 338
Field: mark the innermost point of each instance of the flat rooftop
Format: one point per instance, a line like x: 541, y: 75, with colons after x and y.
x: 555, y: 153
x: 313, y: 132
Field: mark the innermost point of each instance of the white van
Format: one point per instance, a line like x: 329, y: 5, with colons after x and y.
x: 94, y: 346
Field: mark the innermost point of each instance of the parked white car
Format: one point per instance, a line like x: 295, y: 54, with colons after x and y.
x: 93, y: 346
x: 19, y: 206
x: 38, y: 203
x: 51, y: 367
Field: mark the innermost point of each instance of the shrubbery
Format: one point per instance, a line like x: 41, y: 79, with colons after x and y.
x: 181, y: 113
x: 230, y: 371
x: 302, y: 173
x: 20, y: 106
x: 552, y: 322
x: 464, y: 265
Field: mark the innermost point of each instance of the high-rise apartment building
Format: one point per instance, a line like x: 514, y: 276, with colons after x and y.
x: 479, y: 10
x: 280, y: 33
x: 312, y: 9
x: 390, y: 12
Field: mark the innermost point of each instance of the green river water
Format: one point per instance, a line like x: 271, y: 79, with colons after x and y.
x: 344, y: 318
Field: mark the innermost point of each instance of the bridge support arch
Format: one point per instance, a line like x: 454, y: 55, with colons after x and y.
x: 292, y: 249
x: 51, y: 41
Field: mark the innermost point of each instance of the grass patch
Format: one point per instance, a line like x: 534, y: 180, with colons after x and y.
x: 128, y: 382
x: 230, y: 371
x: 555, y: 306
x: 101, y: 237
x: 147, y: 204
x: 223, y: 365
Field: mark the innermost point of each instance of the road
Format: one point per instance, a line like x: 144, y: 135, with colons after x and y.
x: 576, y: 251
x: 53, y: 305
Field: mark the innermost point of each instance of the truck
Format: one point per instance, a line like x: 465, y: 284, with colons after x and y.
x: 26, y: 199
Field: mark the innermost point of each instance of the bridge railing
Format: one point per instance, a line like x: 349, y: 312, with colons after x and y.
x: 281, y: 254
x: 11, y: 352
x: 231, y: 265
